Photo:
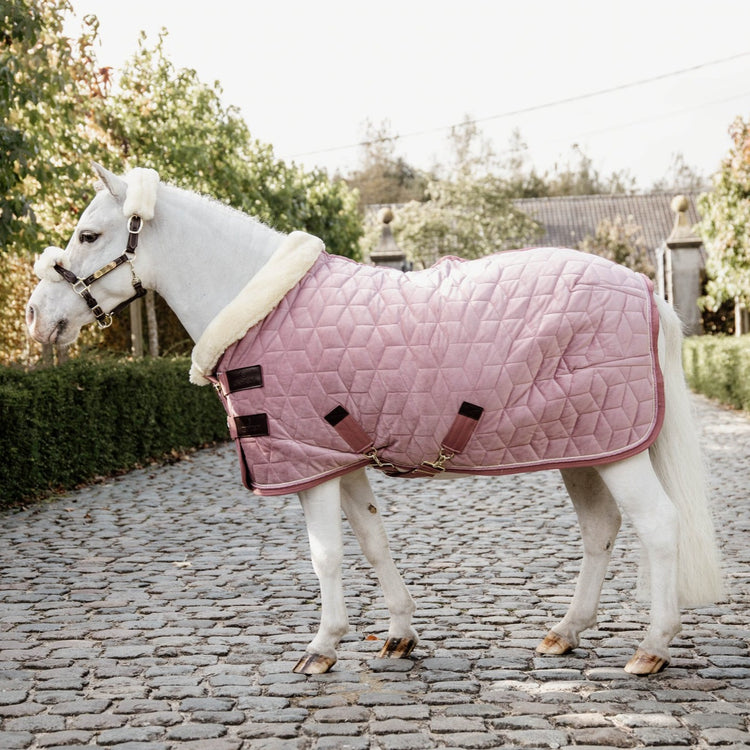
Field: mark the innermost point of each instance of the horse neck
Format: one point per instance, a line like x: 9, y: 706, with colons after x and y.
x: 206, y: 253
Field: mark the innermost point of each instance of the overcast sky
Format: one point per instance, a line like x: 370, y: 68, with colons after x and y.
x: 308, y: 74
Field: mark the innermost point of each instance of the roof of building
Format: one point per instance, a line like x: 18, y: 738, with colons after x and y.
x: 568, y: 220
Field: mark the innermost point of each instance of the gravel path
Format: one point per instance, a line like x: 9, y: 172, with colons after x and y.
x: 154, y: 612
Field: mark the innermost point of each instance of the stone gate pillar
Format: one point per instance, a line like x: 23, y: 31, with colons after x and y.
x: 683, y: 267
x: 388, y: 253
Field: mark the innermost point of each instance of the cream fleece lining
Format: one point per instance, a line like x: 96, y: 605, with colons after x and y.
x: 283, y: 270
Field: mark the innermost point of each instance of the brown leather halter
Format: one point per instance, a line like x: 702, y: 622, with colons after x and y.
x: 82, y: 286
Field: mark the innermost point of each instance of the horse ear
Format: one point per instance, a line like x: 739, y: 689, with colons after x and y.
x: 116, y: 185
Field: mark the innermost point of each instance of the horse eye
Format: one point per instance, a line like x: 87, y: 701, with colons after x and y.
x: 88, y: 237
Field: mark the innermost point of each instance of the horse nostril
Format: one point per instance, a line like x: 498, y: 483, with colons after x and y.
x: 60, y: 328
x: 30, y: 315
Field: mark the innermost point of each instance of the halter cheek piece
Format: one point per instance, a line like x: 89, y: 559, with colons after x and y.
x: 82, y: 287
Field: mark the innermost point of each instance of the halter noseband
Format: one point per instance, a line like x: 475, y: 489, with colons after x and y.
x: 82, y: 286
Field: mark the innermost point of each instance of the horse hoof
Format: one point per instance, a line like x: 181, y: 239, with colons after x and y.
x: 554, y: 645
x: 314, y: 664
x: 645, y: 663
x: 397, y: 648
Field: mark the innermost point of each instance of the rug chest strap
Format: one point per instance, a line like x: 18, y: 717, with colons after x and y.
x: 454, y: 442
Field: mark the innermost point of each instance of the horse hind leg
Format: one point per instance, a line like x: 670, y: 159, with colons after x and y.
x: 599, y: 520
x: 637, y: 490
x: 361, y: 510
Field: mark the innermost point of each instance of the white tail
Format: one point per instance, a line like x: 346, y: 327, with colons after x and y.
x: 678, y: 462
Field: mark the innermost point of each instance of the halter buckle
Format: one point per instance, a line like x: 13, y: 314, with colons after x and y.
x: 80, y: 286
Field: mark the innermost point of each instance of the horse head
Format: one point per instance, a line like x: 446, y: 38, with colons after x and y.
x: 98, y: 272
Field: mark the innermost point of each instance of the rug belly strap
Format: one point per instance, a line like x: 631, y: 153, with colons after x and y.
x: 349, y: 429
x: 463, y: 427
x: 453, y: 443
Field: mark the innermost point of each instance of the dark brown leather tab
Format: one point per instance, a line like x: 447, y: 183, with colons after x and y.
x: 470, y: 410
x: 336, y: 415
x: 244, y: 378
x: 252, y: 425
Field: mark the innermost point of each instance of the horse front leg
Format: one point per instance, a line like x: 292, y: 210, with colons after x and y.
x: 322, y: 509
x: 363, y: 514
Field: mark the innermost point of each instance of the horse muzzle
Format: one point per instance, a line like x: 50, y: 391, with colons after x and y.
x: 53, y: 332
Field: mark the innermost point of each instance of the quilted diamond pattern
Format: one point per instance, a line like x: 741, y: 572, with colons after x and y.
x: 558, y: 347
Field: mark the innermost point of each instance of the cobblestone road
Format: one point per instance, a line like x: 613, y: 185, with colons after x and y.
x: 156, y: 612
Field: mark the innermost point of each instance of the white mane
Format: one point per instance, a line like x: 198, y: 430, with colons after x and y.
x: 200, y: 202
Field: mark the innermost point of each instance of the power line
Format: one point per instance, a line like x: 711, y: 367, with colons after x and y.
x: 655, y: 118
x: 533, y: 108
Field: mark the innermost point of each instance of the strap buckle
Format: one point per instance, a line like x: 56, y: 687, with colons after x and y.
x: 438, y: 464
x: 372, y: 454
x: 135, y: 224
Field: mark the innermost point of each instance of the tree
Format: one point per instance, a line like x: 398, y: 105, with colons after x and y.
x: 725, y: 226
x: 471, y: 155
x: 62, y: 114
x: 466, y: 217
x: 49, y: 84
x: 47, y: 81
x: 17, y: 281
x: 578, y: 176
x: 384, y: 177
x: 522, y: 179
x: 680, y: 177
x: 168, y: 119
x: 620, y: 240
x: 326, y: 208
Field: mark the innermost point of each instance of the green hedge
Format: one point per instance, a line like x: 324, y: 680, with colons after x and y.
x: 65, y: 425
x: 719, y: 367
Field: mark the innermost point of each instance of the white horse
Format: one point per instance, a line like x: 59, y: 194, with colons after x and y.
x: 198, y: 255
